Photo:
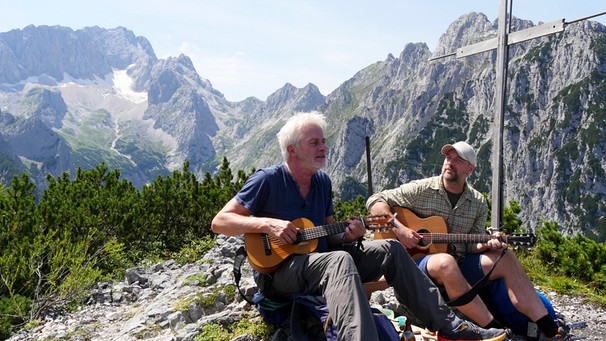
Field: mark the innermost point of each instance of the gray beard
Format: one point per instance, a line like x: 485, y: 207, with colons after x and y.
x: 451, y: 178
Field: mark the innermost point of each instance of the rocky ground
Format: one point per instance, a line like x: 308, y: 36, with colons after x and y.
x: 161, y: 302
x: 587, y: 320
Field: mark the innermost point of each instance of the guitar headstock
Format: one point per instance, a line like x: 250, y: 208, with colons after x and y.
x: 521, y: 239
x: 379, y: 222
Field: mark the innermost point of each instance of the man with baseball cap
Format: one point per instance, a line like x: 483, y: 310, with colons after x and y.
x: 464, y: 150
x: 465, y: 210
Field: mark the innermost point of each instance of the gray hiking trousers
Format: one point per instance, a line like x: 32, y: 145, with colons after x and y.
x: 338, y: 276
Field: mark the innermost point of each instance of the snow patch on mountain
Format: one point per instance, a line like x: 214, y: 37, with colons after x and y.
x: 123, y: 85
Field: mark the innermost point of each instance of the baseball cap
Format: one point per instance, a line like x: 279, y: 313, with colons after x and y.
x: 464, y: 150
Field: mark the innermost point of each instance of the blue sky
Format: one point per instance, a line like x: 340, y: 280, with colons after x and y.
x: 253, y: 47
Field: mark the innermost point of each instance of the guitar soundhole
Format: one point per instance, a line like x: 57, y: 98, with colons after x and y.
x: 298, y: 239
x: 425, y: 241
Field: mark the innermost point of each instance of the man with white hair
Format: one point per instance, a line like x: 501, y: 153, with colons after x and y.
x: 465, y: 211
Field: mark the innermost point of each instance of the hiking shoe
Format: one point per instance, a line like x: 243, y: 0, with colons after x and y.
x: 469, y: 331
x: 562, y: 335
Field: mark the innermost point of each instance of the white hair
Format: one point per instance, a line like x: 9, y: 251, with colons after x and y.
x: 290, y: 134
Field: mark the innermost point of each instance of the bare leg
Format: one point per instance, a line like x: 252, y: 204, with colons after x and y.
x: 444, y: 270
x: 519, y: 287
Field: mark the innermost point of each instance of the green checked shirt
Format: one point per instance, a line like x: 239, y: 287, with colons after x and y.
x: 427, y: 197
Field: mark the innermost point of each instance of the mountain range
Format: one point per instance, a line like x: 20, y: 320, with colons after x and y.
x: 76, y: 98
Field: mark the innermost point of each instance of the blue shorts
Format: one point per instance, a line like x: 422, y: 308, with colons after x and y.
x: 470, y: 266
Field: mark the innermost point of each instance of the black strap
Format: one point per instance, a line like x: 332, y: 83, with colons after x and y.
x: 238, y: 260
x: 359, y: 243
x: 473, y: 291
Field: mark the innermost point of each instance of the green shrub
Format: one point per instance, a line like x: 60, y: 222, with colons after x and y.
x: 200, y: 278
x: 245, y: 326
x: 13, y: 312
x: 195, y: 250
x: 567, y: 264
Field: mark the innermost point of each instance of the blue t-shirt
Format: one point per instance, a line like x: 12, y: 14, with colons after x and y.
x: 273, y: 192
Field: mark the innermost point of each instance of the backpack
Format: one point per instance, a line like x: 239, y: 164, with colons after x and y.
x: 273, y: 312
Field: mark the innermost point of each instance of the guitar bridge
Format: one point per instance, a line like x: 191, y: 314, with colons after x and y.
x: 266, y: 245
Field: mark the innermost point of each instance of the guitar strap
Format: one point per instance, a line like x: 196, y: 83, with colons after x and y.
x: 238, y: 260
x: 473, y: 291
x: 359, y: 243
x: 263, y: 281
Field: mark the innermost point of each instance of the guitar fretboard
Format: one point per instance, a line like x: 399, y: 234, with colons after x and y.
x: 321, y: 231
x: 445, y: 238
x: 334, y: 228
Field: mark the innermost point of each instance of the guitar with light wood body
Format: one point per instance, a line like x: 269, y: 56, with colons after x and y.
x: 265, y: 256
x: 436, y: 238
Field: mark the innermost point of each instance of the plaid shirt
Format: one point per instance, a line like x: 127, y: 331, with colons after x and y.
x: 427, y: 197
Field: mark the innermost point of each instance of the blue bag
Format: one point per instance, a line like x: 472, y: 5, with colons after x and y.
x: 497, y: 301
x: 273, y: 312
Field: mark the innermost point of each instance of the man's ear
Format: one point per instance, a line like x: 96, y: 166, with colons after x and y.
x: 471, y: 168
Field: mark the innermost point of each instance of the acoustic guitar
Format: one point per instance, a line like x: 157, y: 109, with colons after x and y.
x: 265, y: 256
x: 436, y: 238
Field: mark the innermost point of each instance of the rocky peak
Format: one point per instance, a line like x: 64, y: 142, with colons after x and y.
x: 468, y: 29
x: 86, y: 54
x: 50, y: 153
x: 121, y: 47
x: 48, y: 106
x: 52, y: 51
x: 293, y: 99
x: 123, y: 50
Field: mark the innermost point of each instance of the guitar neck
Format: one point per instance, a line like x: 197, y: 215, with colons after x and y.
x: 448, y: 238
x: 324, y: 230
x: 321, y: 231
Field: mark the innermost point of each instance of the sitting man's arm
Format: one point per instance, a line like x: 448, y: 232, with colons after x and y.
x: 235, y: 219
x: 407, y: 236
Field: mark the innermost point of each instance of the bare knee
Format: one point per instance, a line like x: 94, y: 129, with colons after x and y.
x: 442, y: 265
x: 508, y: 265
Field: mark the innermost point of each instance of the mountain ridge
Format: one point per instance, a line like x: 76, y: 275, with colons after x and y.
x: 408, y: 105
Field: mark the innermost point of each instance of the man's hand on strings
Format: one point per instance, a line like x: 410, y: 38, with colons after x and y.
x: 354, y: 230
x: 407, y: 236
x: 281, y: 232
x: 496, y: 242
